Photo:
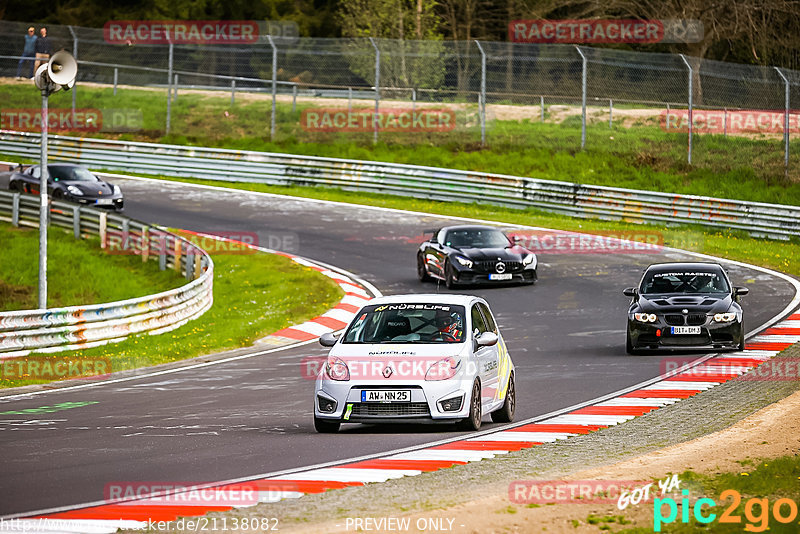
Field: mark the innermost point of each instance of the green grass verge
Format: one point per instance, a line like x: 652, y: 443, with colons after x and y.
x: 254, y: 295
x: 766, y: 481
x: 78, y: 272
x: 639, y: 155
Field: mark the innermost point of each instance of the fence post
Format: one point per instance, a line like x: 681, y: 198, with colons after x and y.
x: 116, y: 76
x: 349, y: 101
x: 413, y: 100
x: 541, y: 102
x: 294, y: 98
x: 583, y: 97
x: 76, y: 222
x: 233, y: 91
x: 610, y: 113
x: 667, y: 121
x: 169, y: 87
x: 691, y: 96
x: 377, y: 89
x: 75, y: 55
x: 482, y: 96
x: 785, y: 122
x: 274, y: 87
x: 175, y: 88
x: 15, y: 209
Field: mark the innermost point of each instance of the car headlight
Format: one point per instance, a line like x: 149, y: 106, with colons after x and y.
x: 117, y: 190
x: 527, y: 260
x: 645, y: 317
x: 74, y: 191
x: 443, y: 369
x: 336, y: 369
x: 464, y: 261
x: 724, y: 317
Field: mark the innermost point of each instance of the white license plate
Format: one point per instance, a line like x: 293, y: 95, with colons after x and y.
x: 105, y: 201
x: 685, y: 330
x: 386, y: 395
x: 504, y: 276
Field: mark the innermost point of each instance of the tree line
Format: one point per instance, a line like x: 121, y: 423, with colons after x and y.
x: 761, y: 32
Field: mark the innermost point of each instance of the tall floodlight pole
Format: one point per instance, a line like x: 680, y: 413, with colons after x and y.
x: 58, y: 73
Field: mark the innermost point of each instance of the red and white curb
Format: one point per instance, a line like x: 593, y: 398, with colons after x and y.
x: 355, y: 297
x: 683, y: 383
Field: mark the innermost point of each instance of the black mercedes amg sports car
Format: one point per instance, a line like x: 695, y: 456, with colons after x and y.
x: 685, y: 306
x: 67, y: 181
x: 462, y: 255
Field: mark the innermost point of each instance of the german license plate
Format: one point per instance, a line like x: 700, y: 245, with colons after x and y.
x: 678, y: 330
x: 386, y: 395
x: 104, y: 201
x: 504, y: 276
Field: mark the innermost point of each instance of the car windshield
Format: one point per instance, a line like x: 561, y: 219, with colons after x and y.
x: 69, y: 174
x: 476, y: 238
x: 684, y: 282
x: 408, y: 323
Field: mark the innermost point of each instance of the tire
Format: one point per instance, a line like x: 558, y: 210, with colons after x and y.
x: 473, y: 422
x: 422, y: 271
x: 629, y: 345
x: 741, y: 342
x: 324, y: 426
x: 449, y: 278
x: 506, y: 413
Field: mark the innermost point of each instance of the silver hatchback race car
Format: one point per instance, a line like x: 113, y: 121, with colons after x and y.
x: 416, y: 358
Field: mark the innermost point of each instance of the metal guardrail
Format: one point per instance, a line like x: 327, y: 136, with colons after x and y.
x: 78, y: 327
x: 577, y: 200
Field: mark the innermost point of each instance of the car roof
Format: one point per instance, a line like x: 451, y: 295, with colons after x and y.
x: 470, y: 227
x: 430, y: 298
x: 684, y: 266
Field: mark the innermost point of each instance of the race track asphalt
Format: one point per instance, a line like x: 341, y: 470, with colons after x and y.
x: 253, y: 415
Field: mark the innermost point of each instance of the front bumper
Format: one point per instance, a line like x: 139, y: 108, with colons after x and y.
x: 111, y: 202
x: 425, y: 404
x: 659, y: 335
x: 468, y: 276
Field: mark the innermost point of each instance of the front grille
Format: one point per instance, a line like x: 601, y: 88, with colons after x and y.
x: 674, y: 320
x: 491, y: 266
x: 685, y: 340
x: 696, y: 319
x: 397, y: 409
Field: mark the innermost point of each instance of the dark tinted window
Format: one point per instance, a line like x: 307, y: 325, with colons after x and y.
x: 693, y: 281
x: 478, y: 325
x: 490, y: 324
x: 69, y: 173
x: 484, y: 238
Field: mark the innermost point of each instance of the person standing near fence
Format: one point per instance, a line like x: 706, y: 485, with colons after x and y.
x: 28, y: 52
x: 43, y: 49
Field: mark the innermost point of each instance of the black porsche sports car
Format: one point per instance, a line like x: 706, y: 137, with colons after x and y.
x: 685, y: 306
x: 67, y: 181
x: 462, y: 255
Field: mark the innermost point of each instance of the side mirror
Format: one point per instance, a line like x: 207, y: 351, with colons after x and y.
x: 486, y: 339
x: 328, y: 339
x: 516, y: 239
x: 630, y: 292
x: 741, y: 291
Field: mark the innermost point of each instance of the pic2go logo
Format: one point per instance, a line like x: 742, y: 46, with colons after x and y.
x: 756, y: 511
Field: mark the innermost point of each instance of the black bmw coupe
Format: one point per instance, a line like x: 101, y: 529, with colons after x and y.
x: 461, y: 255
x: 687, y: 306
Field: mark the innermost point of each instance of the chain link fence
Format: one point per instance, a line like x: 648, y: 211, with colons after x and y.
x: 557, y: 97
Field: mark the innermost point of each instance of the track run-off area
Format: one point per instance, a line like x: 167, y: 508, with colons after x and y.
x: 252, y: 415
